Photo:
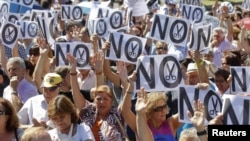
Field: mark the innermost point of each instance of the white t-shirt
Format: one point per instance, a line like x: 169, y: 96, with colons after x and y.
x: 35, y: 107
x: 83, y: 133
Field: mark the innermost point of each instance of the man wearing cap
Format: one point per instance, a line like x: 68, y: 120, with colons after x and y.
x: 34, y: 110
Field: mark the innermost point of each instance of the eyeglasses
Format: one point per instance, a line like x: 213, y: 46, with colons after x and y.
x: 160, y: 108
x: 51, y: 89
x: 161, y: 48
x: 2, y: 113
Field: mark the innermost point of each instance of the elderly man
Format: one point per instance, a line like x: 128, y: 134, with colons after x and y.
x: 222, y: 40
x: 19, y: 89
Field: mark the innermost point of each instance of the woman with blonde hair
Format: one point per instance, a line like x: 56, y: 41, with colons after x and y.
x: 62, y: 112
x: 9, y: 122
x: 36, y: 134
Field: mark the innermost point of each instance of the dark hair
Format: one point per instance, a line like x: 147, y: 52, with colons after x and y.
x: 30, y: 67
x: 35, y: 50
x: 13, y: 121
x: 233, y: 58
x: 222, y: 72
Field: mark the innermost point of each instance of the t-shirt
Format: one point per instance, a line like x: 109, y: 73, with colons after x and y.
x: 164, y: 133
x: 83, y: 133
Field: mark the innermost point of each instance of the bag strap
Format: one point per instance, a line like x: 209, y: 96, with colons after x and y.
x: 16, y: 136
x: 121, y: 127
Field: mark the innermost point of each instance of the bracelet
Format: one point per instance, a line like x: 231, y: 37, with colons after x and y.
x: 201, y: 133
x: 72, y: 73
x: 128, y: 92
x: 200, y: 63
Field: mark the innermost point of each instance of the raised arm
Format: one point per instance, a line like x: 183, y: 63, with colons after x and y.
x: 38, y: 72
x: 127, y: 114
x: 112, y: 76
x: 203, y: 75
x: 79, y: 100
x: 198, y: 120
x: 226, y: 17
x: 243, y: 40
x: 143, y: 130
x: 3, y: 57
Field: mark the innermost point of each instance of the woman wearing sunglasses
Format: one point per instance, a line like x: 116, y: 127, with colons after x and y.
x: 154, y: 115
x: 9, y: 122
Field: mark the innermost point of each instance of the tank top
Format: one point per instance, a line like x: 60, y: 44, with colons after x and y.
x: 163, y: 133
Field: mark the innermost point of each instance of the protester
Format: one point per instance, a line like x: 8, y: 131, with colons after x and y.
x: 63, y: 114
x: 36, y: 134
x: 9, y: 123
x: 19, y: 89
x: 100, y: 115
x: 34, y: 110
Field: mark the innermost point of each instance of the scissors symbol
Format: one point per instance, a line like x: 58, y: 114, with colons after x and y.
x: 170, y: 76
x: 177, y: 35
x: 213, y: 112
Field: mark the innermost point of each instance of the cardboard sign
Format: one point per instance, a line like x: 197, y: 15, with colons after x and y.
x: 200, y: 37
x: 82, y: 51
x: 125, y: 47
x: 9, y: 33
x: 211, y: 20
x: 158, y: 73
x: 28, y: 29
x: 20, y: 6
x: 235, y: 110
x: 246, y: 4
x: 46, y: 27
x: 4, y: 7
x: 170, y: 29
x: 12, y: 17
x: 73, y: 12
x: 188, y: 94
x: 193, y: 13
x: 228, y: 4
x: 240, y: 79
x: 191, y: 2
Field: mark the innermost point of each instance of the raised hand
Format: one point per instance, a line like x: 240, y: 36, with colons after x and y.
x: 142, y: 102
x: 72, y: 62
x: 122, y: 71
x: 97, y: 64
x: 198, y: 119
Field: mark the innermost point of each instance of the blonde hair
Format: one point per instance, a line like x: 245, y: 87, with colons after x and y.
x: 33, y: 133
x: 153, y: 98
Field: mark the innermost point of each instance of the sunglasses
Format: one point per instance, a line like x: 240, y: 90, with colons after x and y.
x: 2, y: 113
x: 160, y: 48
x: 160, y: 108
x: 34, y: 53
x: 51, y: 89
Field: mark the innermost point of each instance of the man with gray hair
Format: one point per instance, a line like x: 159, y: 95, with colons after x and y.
x: 19, y: 89
x: 222, y: 39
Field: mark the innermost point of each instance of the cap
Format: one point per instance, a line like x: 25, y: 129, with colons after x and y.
x: 51, y: 80
x: 192, y: 67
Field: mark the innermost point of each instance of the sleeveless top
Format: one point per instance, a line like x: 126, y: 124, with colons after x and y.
x: 163, y: 133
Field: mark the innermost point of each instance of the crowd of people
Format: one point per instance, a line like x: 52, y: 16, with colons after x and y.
x: 42, y: 101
